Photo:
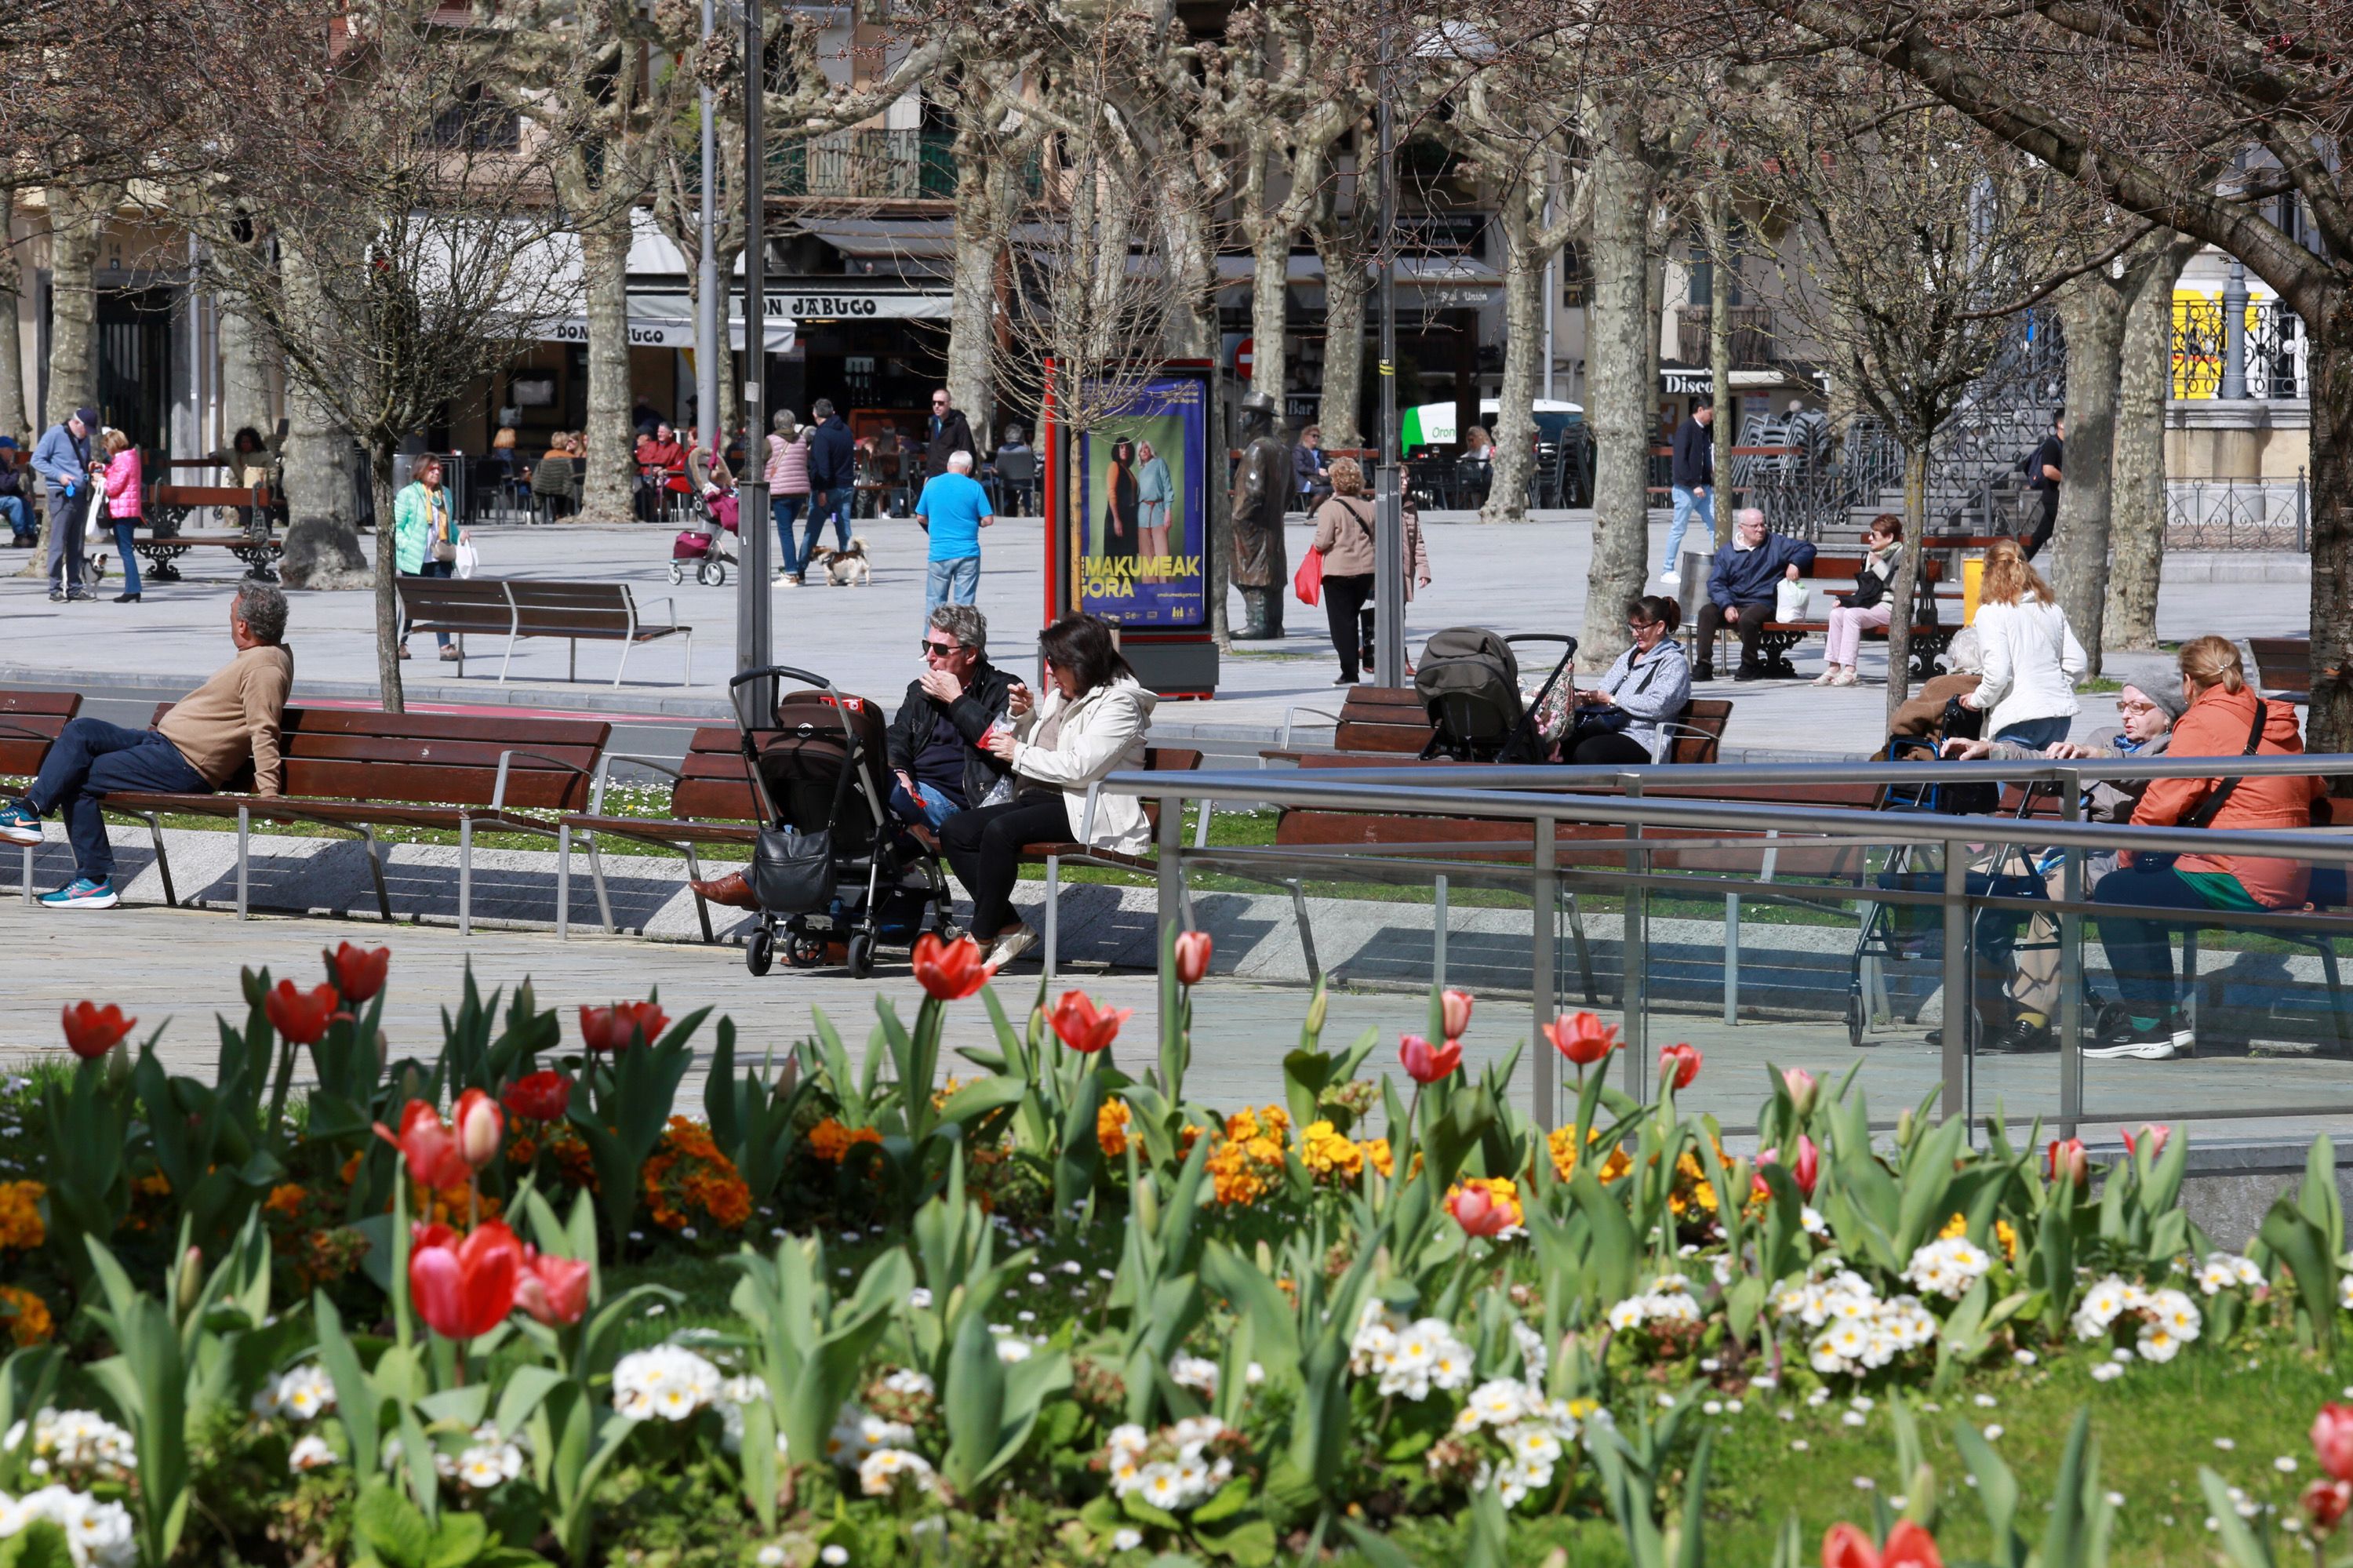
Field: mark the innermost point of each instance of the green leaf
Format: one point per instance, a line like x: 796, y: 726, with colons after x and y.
x: 1249, y: 1542
x: 393, y: 1527
x: 458, y: 1542
x: 1375, y: 1548
x: 38, y: 1545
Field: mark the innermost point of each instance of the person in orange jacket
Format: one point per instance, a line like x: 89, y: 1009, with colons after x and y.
x: 2224, y: 719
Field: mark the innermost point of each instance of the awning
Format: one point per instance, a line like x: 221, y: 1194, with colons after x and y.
x: 666, y: 321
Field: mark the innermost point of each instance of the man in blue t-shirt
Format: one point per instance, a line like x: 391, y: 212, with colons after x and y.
x: 952, y: 510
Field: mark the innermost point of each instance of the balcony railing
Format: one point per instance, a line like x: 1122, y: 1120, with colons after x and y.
x: 2275, y: 349
x: 866, y: 165
x: 1752, y: 335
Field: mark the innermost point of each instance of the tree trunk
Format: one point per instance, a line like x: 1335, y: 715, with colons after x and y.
x: 2329, y: 727
x: 972, y: 289
x: 1270, y: 304
x: 1907, y: 578
x: 245, y: 376
x: 2137, y: 478
x: 736, y: 369
x: 1618, y: 397
x: 1523, y: 346
x: 1719, y: 366
x: 322, y: 539
x: 1193, y: 335
x: 388, y: 576
x: 76, y: 219
x: 2092, y: 309
x: 15, y: 420
x: 1344, y: 341
x: 612, y: 460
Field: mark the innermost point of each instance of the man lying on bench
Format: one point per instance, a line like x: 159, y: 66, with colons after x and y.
x: 196, y: 747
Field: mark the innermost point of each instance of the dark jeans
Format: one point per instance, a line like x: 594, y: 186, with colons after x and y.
x: 1343, y: 602
x: 431, y: 568
x: 1749, y: 619
x: 92, y: 756
x: 785, y: 509
x: 984, y: 849
x: 1608, y: 748
x: 825, y: 504
x: 66, y: 522
x: 1993, y: 933
x: 2141, y: 951
x: 127, y: 554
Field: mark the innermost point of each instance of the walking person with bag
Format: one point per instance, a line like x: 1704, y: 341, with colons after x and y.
x: 789, y: 495
x: 2223, y: 719
x: 123, y: 485
x: 1345, y: 545
x: 424, y: 538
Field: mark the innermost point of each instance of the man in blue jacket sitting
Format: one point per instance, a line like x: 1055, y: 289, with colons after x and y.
x: 1740, y: 588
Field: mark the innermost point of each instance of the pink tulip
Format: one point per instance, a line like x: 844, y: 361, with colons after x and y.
x: 554, y: 1290
x: 2332, y: 1440
x: 1679, y: 1065
x: 2156, y: 1137
x: 1483, y: 1208
x: 479, y: 1126
x: 2067, y: 1157
x: 1581, y: 1037
x: 1805, y: 1173
x: 1425, y: 1063
x: 1193, y: 949
x: 1455, y: 1008
x: 1804, y: 1091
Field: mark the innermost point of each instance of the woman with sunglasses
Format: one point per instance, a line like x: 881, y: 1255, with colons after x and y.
x: 1623, y: 720
x: 1091, y: 723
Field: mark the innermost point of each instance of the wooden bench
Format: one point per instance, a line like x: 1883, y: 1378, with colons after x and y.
x: 31, y: 723
x: 168, y: 507
x: 712, y: 802
x: 518, y: 608
x: 351, y: 771
x: 2283, y: 666
x: 1156, y: 760
x: 1929, y: 637
x: 1381, y: 725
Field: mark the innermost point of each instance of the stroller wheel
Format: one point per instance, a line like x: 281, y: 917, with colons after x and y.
x: 949, y: 931
x: 676, y: 574
x: 861, y: 955
x: 805, y: 952
x: 1854, y: 1019
x: 712, y: 574
x: 760, y: 952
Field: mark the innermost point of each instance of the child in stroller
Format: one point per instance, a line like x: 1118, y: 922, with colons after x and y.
x: 712, y: 545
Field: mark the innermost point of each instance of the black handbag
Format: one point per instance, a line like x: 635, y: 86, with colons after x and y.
x: 792, y: 872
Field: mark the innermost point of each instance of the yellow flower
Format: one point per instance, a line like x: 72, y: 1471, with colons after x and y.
x: 1958, y: 1225
x: 2007, y: 1234
x: 1110, y: 1127
x: 25, y: 1316
x: 20, y: 1215
x: 1324, y: 1152
x: 1564, y: 1157
x: 1377, y: 1149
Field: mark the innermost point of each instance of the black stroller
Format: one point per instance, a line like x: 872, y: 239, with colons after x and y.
x: 830, y: 865
x: 1469, y: 680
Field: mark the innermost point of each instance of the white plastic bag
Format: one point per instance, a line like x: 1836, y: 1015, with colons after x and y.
x: 468, y: 558
x: 1790, y: 600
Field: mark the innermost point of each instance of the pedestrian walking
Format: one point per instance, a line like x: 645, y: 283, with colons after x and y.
x: 949, y: 433
x: 952, y: 510
x: 1693, y: 482
x: 2039, y: 508
x: 788, y: 473
x: 1344, y: 538
x: 2032, y: 658
x: 425, y: 537
x: 62, y: 460
x: 123, y: 487
x: 833, y: 476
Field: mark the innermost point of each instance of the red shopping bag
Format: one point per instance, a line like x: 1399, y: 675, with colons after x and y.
x: 1307, y: 582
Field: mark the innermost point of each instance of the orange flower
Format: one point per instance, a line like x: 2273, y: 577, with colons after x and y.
x: 285, y: 1199
x: 950, y: 972
x: 1110, y: 1127
x: 26, y: 1317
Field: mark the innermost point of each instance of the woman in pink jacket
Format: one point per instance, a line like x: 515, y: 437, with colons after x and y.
x: 124, y: 483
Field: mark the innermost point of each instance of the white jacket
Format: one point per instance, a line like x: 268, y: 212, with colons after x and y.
x: 2032, y: 663
x: 1102, y: 733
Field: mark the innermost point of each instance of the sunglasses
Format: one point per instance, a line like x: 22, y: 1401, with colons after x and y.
x: 943, y: 649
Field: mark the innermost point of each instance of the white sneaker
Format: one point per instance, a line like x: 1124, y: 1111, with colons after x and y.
x: 1670, y: 576
x: 1011, y: 946
x: 2150, y: 1050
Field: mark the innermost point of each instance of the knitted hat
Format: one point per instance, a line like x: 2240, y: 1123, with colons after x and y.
x: 2167, y: 698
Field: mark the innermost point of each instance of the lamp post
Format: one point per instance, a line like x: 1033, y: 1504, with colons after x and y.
x: 708, y: 344
x: 2234, y: 332
x: 755, y: 627
x: 1389, y: 515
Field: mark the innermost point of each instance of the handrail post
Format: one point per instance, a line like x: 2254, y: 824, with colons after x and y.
x: 1544, y: 910
x: 1169, y: 885
x: 1959, y: 1015
x: 1634, y: 949
x: 2071, y: 965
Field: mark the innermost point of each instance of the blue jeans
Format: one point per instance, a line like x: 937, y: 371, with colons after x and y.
x: 1688, y: 503
x: 951, y: 582
x: 784, y: 508
x: 2036, y: 734
x: 2141, y: 951
x: 92, y: 756
x: 927, y: 806
x: 825, y: 504
x: 129, y: 557
x: 431, y: 568
x: 19, y: 516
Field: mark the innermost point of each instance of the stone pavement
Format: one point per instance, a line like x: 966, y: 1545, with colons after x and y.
x: 1527, y: 577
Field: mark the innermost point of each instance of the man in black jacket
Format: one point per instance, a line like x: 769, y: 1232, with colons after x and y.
x: 833, y: 474
x: 947, y: 432
x: 936, y: 738
x: 1694, y: 484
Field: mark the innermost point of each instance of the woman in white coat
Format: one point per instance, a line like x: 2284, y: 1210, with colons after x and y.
x: 1091, y: 723
x: 2032, y: 658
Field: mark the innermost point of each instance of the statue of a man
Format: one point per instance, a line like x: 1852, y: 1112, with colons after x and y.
x: 1261, y: 494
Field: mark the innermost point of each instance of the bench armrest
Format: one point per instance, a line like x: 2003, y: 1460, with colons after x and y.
x: 1291, y: 716
x: 1087, y: 819
x: 605, y: 775
x: 498, y: 788
x: 638, y: 618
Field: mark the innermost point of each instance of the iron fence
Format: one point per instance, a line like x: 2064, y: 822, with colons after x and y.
x: 2238, y: 514
x: 2277, y: 349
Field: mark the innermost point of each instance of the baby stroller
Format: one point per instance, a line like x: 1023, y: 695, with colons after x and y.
x: 709, y: 547
x: 830, y: 865
x: 1469, y: 680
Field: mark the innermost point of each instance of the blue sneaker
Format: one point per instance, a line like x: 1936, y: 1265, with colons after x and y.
x: 18, y: 825
x: 83, y: 894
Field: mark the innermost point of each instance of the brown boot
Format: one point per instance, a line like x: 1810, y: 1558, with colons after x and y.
x: 731, y: 890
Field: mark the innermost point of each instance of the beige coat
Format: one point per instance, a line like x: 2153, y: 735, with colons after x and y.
x: 1343, y: 534
x: 1102, y: 732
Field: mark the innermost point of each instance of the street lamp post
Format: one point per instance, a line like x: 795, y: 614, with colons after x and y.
x: 754, y: 629
x: 1388, y: 516
x: 708, y: 344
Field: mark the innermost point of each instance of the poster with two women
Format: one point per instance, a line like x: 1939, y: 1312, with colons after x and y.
x: 1142, y: 482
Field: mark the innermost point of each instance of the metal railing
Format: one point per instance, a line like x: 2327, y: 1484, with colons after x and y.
x: 2238, y: 514
x: 2276, y: 346
x: 1651, y: 855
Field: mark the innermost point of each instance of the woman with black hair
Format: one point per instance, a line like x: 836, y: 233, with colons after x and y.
x: 1092, y: 723
x: 1622, y: 719
x: 1121, y: 514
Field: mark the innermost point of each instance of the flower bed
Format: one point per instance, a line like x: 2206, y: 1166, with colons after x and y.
x: 1056, y: 1309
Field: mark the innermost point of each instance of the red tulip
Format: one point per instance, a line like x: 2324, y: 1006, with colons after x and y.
x: 950, y: 972
x: 1679, y: 1065
x: 463, y: 1288
x: 1425, y: 1063
x: 1805, y: 1173
x: 92, y: 1030
x: 1455, y: 1006
x: 1804, y: 1091
x: 1084, y: 1026
x: 554, y: 1290
x: 544, y: 1096
x: 301, y: 1016
x: 479, y: 1126
x: 1581, y: 1037
x: 621, y: 1025
x: 430, y: 1149
x: 2156, y: 1137
x: 2332, y: 1440
x: 1192, y: 956
x: 2325, y: 1503
x: 2067, y: 1157
x: 1484, y: 1208
x: 1908, y: 1546
x: 358, y: 972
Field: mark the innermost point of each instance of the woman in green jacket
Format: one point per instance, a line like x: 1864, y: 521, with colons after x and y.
x: 425, y: 537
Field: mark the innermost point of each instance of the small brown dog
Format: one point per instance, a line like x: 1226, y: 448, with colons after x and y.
x: 841, y: 568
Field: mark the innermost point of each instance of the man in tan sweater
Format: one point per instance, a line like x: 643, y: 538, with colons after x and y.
x: 200, y: 746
